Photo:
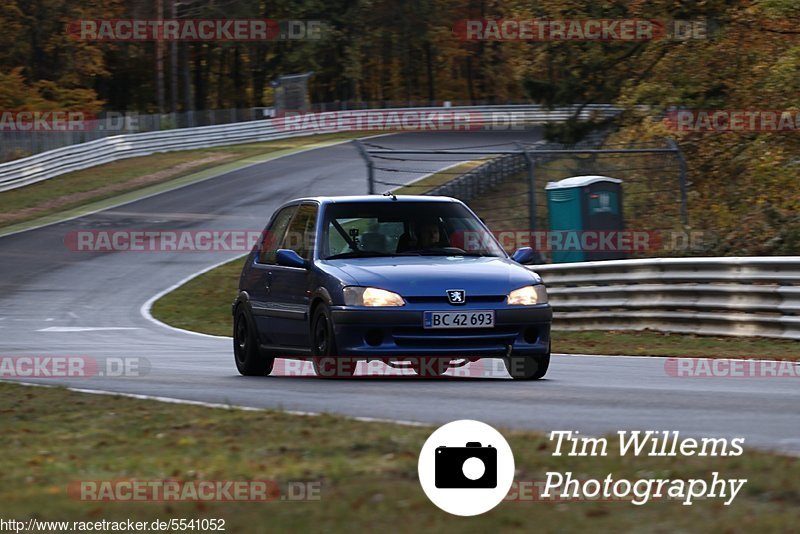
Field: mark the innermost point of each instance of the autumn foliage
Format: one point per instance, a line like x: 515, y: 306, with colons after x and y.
x: 743, y: 184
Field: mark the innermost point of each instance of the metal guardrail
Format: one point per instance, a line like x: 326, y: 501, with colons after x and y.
x: 740, y: 296
x: 54, y: 163
x: 22, y: 142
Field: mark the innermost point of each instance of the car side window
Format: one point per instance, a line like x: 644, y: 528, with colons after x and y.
x: 300, y: 236
x: 273, y: 236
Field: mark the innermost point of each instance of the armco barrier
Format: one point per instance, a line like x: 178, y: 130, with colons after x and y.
x: 54, y: 163
x: 742, y: 296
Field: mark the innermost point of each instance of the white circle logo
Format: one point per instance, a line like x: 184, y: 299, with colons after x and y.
x: 466, y: 467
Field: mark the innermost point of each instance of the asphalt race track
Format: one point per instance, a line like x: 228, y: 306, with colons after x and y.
x: 56, y: 302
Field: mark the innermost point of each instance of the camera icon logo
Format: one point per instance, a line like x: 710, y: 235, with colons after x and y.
x: 466, y: 467
x: 472, y: 466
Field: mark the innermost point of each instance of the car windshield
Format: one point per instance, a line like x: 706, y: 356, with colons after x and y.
x: 368, y: 229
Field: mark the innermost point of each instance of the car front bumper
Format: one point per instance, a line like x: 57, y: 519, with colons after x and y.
x: 395, y: 333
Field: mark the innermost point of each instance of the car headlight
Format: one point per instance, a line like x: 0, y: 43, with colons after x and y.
x: 371, y: 296
x: 528, y: 295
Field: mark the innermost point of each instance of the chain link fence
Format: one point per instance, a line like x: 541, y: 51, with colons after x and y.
x: 496, y: 183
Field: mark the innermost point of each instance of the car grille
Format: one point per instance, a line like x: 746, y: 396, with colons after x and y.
x: 468, y: 338
x: 443, y: 299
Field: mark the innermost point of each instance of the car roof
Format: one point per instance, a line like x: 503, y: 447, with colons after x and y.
x: 373, y: 198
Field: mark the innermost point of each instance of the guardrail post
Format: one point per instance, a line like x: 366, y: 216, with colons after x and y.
x: 370, y: 165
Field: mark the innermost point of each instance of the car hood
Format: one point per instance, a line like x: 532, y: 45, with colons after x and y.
x: 426, y: 276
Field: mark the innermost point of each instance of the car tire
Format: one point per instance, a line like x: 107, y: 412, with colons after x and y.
x: 250, y: 361
x: 527, y: 367
x: 327, y: 364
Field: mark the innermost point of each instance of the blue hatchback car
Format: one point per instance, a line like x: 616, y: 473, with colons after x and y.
x: 413, y: 281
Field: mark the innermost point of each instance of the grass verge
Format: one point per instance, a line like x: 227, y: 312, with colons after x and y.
x: 203, y: 305
x: 113, y: 179
x: 366, y: 473
x: 649, y: 343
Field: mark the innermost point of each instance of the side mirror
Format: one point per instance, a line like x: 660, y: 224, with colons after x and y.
x: 524, y: 255
x: 290, y: 258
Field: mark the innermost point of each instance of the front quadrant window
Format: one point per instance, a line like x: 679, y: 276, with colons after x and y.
x: 300, y: 236
x: 274, y: 235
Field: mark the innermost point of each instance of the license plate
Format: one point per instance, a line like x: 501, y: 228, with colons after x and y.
x: 463, y: 319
